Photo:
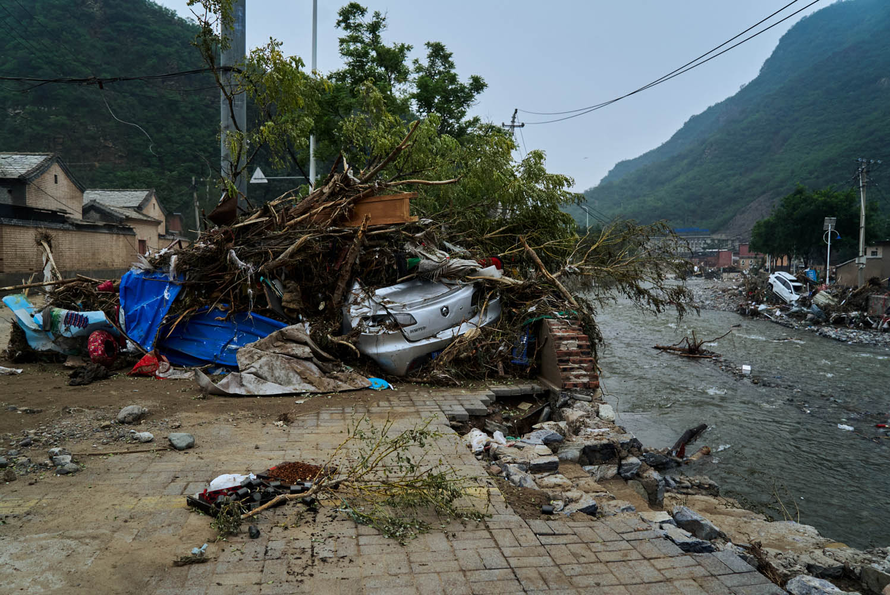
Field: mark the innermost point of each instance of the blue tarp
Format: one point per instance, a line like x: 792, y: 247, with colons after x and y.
x: 206, y: 338
x: 145, y: 300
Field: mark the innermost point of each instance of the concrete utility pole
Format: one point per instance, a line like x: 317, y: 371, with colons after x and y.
x: 512, y: 126
x: 828, y: 225
x: 863, y: 182
x: 314, y: 68
x: 233, y: 118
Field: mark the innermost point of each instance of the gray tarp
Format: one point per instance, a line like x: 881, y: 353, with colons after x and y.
x: 285, y: 362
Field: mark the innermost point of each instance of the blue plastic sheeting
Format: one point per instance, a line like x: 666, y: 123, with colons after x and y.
x: 145, y: 300
x: 60, y: 330
x: 203, y: 339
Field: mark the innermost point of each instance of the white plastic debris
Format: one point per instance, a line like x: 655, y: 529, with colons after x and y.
x: 477, y: 439
x: 746, y: 369
x: 499, y: 437
x: 845, y: 427
x: 228, y: 480
x: 9, y: 371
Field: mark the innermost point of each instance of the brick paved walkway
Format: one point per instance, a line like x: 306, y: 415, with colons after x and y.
x: 330, y: 554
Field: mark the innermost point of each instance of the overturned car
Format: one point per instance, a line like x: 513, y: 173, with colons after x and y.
x: 404, y: 325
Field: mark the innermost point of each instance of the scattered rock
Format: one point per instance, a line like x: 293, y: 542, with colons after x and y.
x: 629, y: 467
x: 542, y: 451
x: 9, y: 475
x: 131, y: 414
x: 67, y: 469
x: 3, y: 463
x: 61, y: 460
x: 543, y: 437
x: 606, y: 413
x: 55, y: 452
x: 182, y: 441
x: 653, y: 484
x: 543, y: 464
x: 12, y: 453
x: 143, y: 437
x: 572, y: 496
x: 657, y: 517
x: 26, y: 442
x: 810, y: 585
x: 687, y: 542
x: 874, y: 578
x: 518, y: 477
x: 597, y: 452
x: 659, y: 461
x: 569, y: 453
x: 554, y: 482
x: 821, y: 566
x: 588, y: 505
x: 495, y: 470
x: 695, y: 523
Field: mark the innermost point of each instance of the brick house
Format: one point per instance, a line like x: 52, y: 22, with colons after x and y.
x: 38, y: 194
x: 139, y: 209
x: 877, y: 264
x: 748, y: 259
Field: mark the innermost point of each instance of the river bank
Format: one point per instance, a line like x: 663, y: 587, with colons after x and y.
x: 729, y: 296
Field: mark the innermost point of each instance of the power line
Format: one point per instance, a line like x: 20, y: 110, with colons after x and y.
x: 677, y: 72
x: 18, y: 37
x: 94, y: 80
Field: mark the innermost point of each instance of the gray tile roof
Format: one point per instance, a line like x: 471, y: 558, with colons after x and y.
x: 124, y: 212
x: 117, y: 198
x: 16, y: 165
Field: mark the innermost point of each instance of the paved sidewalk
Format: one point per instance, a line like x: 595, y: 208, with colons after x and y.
x: 125, y: 543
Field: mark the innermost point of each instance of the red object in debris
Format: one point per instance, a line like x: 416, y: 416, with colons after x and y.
x: 494, y: 260
x: 882, y: 426
x: 103, y: 348
x: 149, y: 365
x: 106, y: 286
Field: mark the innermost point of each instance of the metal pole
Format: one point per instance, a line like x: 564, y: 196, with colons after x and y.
x: 197, y: 216
x: 312, y: 172
x: 233, y: 118
x: 863, y: 173
x: 828, y: 257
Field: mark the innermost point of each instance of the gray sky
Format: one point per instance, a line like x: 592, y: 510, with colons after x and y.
x: 561, y: 55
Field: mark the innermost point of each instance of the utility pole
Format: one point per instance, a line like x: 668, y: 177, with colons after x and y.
x: 195, y: 196
x: 863, y: 183
x: 830, y: 223
x: 233, y: 118
x: 312, y: 172
x: 512, y: 126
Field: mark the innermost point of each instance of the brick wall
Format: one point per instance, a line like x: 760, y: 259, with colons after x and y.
x: 153, y: 210
x: 145, y: 230
x: 55, y: 190
x: 566, y: 357
x: 74, y: 250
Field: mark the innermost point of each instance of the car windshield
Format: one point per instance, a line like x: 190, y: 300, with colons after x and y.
x: 797, y: 287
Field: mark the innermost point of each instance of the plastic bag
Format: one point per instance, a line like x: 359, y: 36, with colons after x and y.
x: 477, y: 439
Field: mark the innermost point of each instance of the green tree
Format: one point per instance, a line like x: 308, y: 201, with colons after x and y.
x: 795, y: 227
x: 439, y: 90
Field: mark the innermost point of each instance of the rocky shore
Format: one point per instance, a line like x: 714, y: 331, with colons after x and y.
x: 589, y: 465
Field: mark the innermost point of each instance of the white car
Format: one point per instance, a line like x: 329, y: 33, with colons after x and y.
x: 402, y: 325
x: 786, y: 286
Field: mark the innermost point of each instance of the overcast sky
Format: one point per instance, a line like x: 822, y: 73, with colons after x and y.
x: 561, y: 55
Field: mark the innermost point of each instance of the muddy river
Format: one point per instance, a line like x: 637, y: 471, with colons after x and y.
x: 774, y: 434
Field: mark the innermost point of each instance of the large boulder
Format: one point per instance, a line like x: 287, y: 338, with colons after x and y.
x: 554, y: 482
x: 606, y: 413
x: 542, y: 437
x: 695, y: 523
x: 519, y: 478
x: 131, y: 414
x: 587, y: 504
x: 659, y: 461
x: 874, y: 578
x: 653, y: 483
x: 569, y: 453
x: 601, y: 472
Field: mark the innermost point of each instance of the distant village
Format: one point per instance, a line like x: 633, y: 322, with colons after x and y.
x: 95, y: 232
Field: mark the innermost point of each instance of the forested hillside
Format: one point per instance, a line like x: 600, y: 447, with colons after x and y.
x: 820, y: 101
x: 104, y: 38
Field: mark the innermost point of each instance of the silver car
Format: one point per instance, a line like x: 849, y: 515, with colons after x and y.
x: 402, y: 325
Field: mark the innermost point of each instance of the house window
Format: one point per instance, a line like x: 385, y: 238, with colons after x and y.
x: 874, y: 252
x: 143, y: 247
x: 56, y: 178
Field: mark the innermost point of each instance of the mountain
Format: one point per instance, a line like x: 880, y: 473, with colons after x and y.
x: 820, y: 101
x: 97, y: 130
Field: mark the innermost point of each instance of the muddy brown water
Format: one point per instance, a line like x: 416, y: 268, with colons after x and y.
x: 774, y: 434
